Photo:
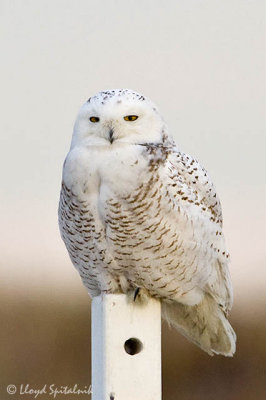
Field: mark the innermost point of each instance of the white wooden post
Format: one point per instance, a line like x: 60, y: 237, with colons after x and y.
x: 126, y: 349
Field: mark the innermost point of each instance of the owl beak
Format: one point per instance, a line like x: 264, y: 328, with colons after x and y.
x: 111, y: 136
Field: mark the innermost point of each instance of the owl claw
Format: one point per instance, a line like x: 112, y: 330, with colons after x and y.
x: 136, y: 294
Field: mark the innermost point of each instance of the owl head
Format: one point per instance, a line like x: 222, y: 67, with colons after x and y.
x: 118, y: 116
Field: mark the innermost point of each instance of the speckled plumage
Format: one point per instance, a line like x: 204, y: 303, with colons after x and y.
x: 135, y: 212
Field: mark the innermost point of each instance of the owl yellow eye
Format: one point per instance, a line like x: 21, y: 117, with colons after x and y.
x: 94, y: 119
x: 130, y: 117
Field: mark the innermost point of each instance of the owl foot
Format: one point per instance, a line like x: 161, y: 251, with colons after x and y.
x: 139, y: 296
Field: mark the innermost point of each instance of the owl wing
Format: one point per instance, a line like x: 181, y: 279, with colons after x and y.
x: 195, y: 187
x: 197, y: 181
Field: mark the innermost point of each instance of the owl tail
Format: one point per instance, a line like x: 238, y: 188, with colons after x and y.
x: 203, y: 324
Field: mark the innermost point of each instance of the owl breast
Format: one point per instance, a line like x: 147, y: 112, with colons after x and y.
x: 128, y: 229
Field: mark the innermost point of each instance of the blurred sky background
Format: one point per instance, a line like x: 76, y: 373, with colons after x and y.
x: 202, y: 62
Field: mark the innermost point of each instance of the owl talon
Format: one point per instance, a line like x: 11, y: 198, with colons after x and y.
x: 136, y: 294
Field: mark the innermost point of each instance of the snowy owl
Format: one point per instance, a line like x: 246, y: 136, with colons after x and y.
x: 138, y: 216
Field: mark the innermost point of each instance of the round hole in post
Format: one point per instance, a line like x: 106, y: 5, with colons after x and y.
x: 133, y: 346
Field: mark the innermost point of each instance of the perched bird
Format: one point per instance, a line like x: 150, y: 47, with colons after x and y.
x: 139, y: 216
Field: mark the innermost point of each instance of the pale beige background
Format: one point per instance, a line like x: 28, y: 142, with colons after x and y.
x: 202, y: 62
